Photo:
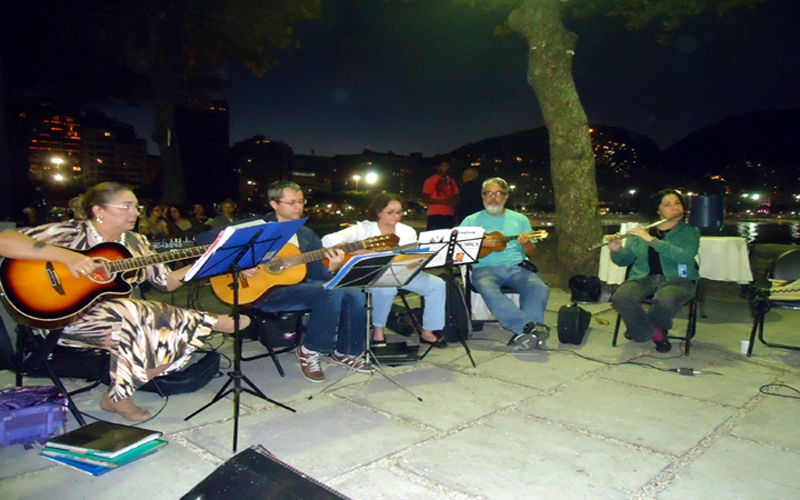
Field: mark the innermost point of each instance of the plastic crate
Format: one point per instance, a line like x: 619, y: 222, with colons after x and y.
x: 31, y: 414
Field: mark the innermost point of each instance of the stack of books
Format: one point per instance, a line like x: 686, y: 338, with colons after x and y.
x: 102, y: 446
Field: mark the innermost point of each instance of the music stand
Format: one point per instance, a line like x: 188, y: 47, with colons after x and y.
x: 462, y: 247
x: 241, y: 247
x: 377, y: 270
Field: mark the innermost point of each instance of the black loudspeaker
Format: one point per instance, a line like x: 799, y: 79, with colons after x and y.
x: 707, y: 212
x: 255, y: 474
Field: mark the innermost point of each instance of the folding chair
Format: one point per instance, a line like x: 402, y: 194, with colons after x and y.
x: 786, y: 268
x: 34, y: 353
x: 691, y: 325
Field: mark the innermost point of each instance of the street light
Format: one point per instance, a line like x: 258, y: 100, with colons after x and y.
x: 356, y: 178
x: 371, y: 178
x: 631, y: 192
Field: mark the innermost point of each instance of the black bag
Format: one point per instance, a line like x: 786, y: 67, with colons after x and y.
x: 403, y: 321
x: 573, y: 320
x: 191, y: 378
x: 457, y: 321
x: 585, y: 288
x: 280, y: 330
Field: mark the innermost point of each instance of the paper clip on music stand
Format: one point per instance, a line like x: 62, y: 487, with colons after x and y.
x: 453, y: 247
x: 246, y: 246
x: 378, y: 270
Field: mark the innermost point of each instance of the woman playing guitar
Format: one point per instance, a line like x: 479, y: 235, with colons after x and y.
x: 145, y: 338
x: 384, y: 214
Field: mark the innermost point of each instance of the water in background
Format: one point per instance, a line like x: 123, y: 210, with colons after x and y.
x: 755, y: 232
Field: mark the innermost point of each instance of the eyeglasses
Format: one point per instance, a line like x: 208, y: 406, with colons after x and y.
x: 294, y: 203
x: 129, y: 207
x: 494, y: 194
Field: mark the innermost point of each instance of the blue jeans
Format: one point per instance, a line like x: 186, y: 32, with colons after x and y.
x: 667, y: 302
x: 430, y: 287
x: 533, y: 295
x: 345, y: 309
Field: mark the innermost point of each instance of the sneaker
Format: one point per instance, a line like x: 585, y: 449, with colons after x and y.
x: 355, y: 363
x: 309, y: 364
x: 663, y: 345
x: 536, y: 331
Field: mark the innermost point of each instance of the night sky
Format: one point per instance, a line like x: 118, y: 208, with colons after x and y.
x: 430, y: 77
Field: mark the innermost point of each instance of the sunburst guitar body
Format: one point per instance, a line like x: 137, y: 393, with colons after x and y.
x: 44, y: 294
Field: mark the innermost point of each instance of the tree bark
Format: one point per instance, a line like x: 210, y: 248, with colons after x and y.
x: 572, y: 165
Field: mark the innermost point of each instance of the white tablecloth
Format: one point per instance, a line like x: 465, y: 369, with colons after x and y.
x: 721, y: 258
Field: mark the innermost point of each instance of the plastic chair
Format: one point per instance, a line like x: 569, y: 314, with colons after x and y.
x: 475, y: 302
x: 785, y: 268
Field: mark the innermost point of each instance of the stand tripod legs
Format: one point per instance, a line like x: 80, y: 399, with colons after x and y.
x: 236, y: 377
x: 369, y: 357
x: 374, y: 364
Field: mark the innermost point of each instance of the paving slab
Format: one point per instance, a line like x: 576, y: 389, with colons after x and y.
x: 450, y: 399
x: 730, y: 382
x: 326, y: 436
x: 517, y: 457
x: 735, y: 468
x: 150, y: 477
x: 391, y: 484
x: 636, y: 415
x: 774, y: 420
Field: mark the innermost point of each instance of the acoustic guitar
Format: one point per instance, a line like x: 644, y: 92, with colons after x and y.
x: 44, y: 294
x: 502, y: 241
x: 288, y: 268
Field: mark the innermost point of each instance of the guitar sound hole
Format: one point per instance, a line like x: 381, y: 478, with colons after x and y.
x: 275, y: 266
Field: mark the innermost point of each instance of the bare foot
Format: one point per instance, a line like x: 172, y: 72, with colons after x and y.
x: 125, y: 408
x: 377, y: 334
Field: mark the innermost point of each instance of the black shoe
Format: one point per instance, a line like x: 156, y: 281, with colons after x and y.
x: 438, y: 343
x: 663, y: 346
x: 537, y: 331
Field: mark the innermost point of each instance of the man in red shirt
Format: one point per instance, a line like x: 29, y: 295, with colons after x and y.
x: 440, y: 192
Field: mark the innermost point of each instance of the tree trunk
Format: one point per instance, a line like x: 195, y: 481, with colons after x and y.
x: 571, y: 156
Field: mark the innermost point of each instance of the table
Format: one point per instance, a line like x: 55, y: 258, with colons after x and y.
x: 720, y: 258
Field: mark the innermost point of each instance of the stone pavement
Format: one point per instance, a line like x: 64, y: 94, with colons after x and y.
x: 567, y: 422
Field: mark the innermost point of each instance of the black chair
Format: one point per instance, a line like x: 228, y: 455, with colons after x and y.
x: 691, y: 324
x: 785, y: 268
x: 273, y: 325
x: 34, y: 357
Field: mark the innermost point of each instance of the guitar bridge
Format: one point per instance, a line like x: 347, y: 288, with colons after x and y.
x: 52, y: 277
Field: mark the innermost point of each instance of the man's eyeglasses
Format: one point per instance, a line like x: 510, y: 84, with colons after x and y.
x: 293, y: 203
x: 494, y: 194
x: 129, y: 207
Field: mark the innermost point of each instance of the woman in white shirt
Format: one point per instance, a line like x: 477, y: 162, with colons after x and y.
x: 384, y: 214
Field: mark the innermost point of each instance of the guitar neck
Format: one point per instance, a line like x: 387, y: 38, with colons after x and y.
x: 315, y: 255
x: 135, y: 263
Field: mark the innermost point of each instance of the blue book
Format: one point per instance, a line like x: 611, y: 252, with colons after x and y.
x: 147, y: 448
x: 87, y: 468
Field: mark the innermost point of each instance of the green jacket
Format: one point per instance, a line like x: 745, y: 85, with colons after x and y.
x: 679, y: 247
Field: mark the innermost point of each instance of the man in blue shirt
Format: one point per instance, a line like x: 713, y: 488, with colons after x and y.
x: 508, y: 267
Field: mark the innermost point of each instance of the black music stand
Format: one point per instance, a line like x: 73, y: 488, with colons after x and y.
x: 241, y: 247
x: 377, y: 270
x: 462, y: 247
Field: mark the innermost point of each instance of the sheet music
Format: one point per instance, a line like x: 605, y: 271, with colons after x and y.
x: 380, y: 269
x: 274, y: 236
x: 469, y: 240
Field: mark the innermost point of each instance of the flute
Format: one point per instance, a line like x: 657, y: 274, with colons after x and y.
x: 623, y: 236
